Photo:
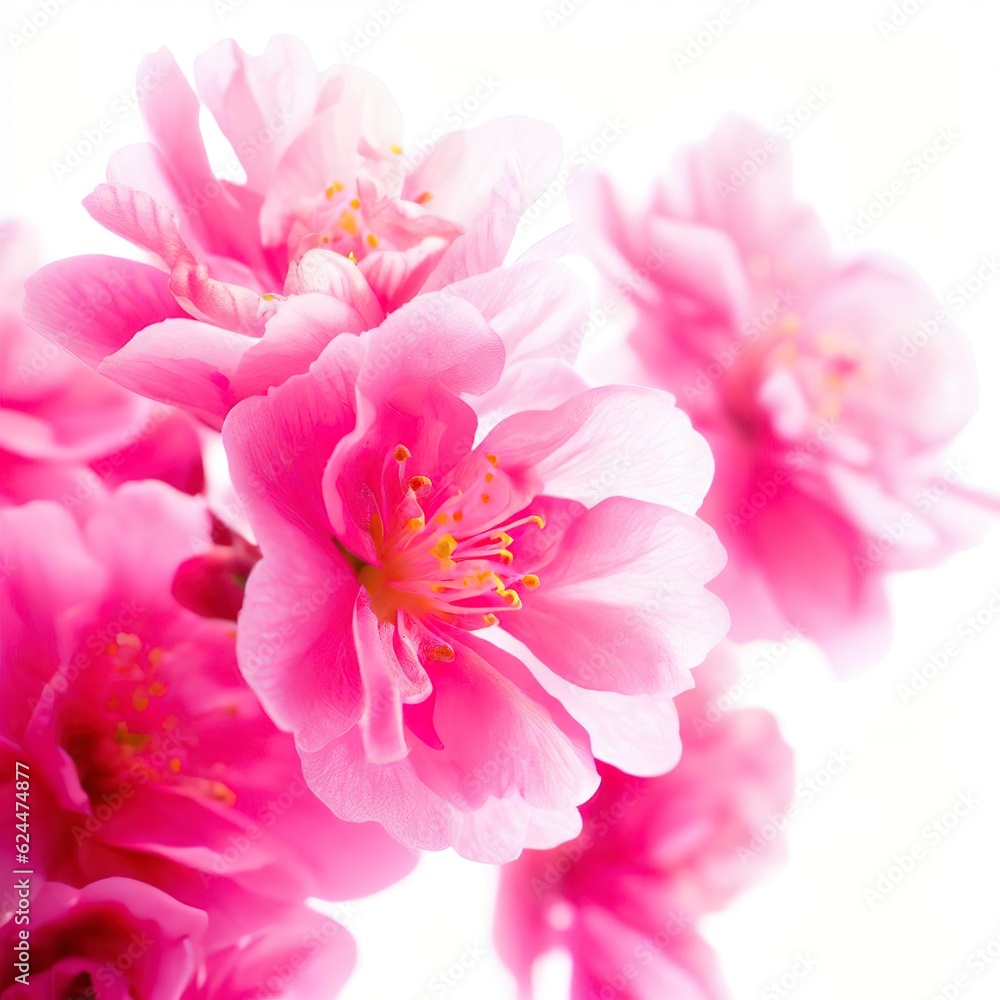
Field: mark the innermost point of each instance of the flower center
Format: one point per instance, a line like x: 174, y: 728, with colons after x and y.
x: 135, y: 734
x: 441, y: 554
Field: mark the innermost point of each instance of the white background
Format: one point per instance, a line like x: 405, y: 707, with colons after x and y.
x: 892, y: 91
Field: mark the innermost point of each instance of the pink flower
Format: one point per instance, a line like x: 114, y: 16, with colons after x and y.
x: 333, y: 228
x: 404, y: 544
x: 114, y: 938
x: 149, y: 756
x: 121, y: 938
x: 66, y: 433
x: 654, y: 854
x: 825, y: 388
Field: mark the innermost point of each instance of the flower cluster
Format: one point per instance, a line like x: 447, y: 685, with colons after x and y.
x: 322, y: 549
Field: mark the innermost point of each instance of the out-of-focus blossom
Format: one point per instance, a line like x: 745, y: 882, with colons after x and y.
x: 120, y: 938
x: 149, y: 756
x: 826, y: 389
x: 402, y: 547
x: 333, y: 228
x: 114, y: 938
x: 66, y: 433
x: 654, y: 855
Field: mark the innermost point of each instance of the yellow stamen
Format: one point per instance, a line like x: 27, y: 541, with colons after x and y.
x: 270, y: 297
x: 490, y: 619
x: 530, y: 581
x: 419, y: 483
x: 489, y: 477
x: 485, y: 498
x: 423, y: 198
x: 415, y: 524
x: 352, y: 258
x: 348, y: 223
x: 355, y: 204
x: 506, y: 557
x: 492, y: 459
x: 398, y: 150
x: 457, y: 515
x: 444, y: 547
x: 441, y: 519
x: 540, y: 521
x: 372, y: 240
x: 502, y: 538
x: 442, y: 653
x: 402, y: 453
x: 511, y: 597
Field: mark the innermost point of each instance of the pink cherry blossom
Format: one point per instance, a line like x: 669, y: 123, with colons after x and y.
x: 149, y: 756
x: 114, y: 938
x: 333, y: 227
x: 454, y: 619
x: 66, y: 433
x: 826, y: 388
x: 654, y: 855
x: 121, y: 938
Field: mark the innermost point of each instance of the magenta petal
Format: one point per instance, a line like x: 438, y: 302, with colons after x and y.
x: 94, y: 305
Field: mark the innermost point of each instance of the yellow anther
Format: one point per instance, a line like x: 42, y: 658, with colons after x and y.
x: 489, y: 477
x: 402, y: 453
x: 330, y: 191
x: 442, y: 653
x: 352, y: 258
x: 444, y: 547
x: 415, y: 524
x: 511, y: 597
x: 355, y: 204
x: 506, y: 557
x: 419, y: 483
x: 437, y: 588
x: 483, y: 575
x: 398, y: 150
x: 457, y: 515
x: 424, y: 197
x: 530, y: 581
x: 536, y: 519
x: 492, y: 459
x: 348, y: 223
x: 372, y: 240
x: 485, y: 498
x: 441, y: 519
x: 502, y: 538
x: 326, y: 239
x: 490, y: 619
x: 270, y: 297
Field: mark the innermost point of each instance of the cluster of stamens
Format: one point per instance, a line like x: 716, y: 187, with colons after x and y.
x: 433, y: 566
